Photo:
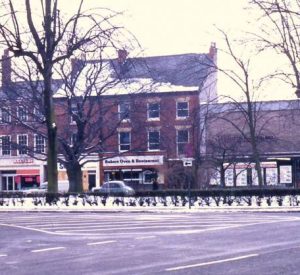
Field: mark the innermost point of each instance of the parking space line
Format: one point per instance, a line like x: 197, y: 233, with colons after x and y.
x: 212, y: 262
x: 103, y: 242
x: 146, y: 237
x: 47, y: 249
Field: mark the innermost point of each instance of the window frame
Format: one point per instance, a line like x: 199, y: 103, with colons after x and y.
x: 124, y: 144
x: 182, y: 109
x: 7, y: 112
x: 149, y: 117
x: 181, y: 143
x: 9, y: 144
x: 36, y: 145
x: 157, y: 143
x: 126, y: 111
x: 22, y: 116
x: 19, y: 150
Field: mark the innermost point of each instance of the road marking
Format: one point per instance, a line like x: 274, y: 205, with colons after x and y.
x: 211, y: 263
x: 47, y: 249
x: 3, y: 255
x: 146, y: 237
x: 104, y: 242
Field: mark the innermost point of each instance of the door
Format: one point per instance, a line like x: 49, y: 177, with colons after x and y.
x: 8, y: 183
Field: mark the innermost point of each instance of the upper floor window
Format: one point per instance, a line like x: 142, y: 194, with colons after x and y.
x: 182, y: 109
x: 5, y: 145
x: 153, y: 140
x: 38, y: 116
x: 73, y: 139
x: 153, y: 111
x: 5, y: 115
x: 124, y: 141
x: 39, y: 144
x: 124, y: 111
x: 22, y: 114
x: 22, y: 144
x: 74, y: 113
x: 182, y: 141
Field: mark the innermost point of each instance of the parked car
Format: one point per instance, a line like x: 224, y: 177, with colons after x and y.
x: 63, y: 186
x: 115, y: 188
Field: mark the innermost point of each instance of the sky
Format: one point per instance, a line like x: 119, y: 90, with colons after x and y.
x: 165, y: 27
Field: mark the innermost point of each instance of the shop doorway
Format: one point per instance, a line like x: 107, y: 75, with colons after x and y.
x: 92, y: 180
x: 8, y: 183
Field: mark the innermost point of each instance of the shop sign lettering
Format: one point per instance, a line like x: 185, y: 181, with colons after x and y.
x: 133, y: 161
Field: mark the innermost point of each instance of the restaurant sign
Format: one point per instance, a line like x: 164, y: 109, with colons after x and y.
x: 133, y: 161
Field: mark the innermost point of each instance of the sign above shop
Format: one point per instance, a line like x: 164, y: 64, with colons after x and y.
x: 133, y: 161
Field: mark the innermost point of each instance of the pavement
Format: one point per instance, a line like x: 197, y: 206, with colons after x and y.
x: 149, y: 243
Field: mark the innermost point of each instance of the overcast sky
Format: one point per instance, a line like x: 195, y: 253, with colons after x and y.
x: 165, y: 27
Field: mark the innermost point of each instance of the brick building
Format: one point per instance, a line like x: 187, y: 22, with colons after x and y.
x: 228, y: 146
x: 145, y: 129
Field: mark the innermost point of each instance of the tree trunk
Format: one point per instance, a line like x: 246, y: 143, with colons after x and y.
x: 75, y: 176
x: 52, y: 133
x: 222, y: 176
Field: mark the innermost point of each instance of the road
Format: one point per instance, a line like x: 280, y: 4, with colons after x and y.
x: 149, y: 243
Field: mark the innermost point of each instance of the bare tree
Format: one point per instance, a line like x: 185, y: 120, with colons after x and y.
x: 243, y: 116
x: 280, y: 32
x: 44, y: 43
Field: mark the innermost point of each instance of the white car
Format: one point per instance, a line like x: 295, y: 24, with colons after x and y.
x: 63, y: 186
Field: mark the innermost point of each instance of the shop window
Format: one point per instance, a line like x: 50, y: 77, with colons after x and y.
x: 124, y: 111
x: 22, y: 114
x: 182, y: 109
x: 5, y: 145
x: 124, y: 141
x: 153, y: 140
x: 39, y: 145
x: 22, y: 144
x: 153, y: 111
x: 182, y: 141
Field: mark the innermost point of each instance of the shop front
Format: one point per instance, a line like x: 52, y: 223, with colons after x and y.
x: 136, y: 171
x: 20, y: 173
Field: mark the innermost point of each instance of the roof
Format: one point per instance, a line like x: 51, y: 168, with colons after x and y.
x: 188, y: 70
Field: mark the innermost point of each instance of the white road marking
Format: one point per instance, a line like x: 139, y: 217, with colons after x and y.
x: 3, y: 255
x: 47, y: 249
x: 211, y: 263
x: 146, y: 237
x: 103, y: 242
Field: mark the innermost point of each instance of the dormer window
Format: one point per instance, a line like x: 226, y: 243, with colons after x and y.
x: 22, y: 114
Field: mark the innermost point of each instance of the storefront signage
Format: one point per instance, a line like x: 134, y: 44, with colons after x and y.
x: 23, y: 161
x: 133, y: 161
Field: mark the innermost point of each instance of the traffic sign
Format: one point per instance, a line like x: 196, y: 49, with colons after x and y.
x: 187, y: 162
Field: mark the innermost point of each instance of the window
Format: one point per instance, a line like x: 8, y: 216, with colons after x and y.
x: 22, y: 114
x: 153, y: 110
x: 124, y: 141
x: 182, y: 109
x: 74, y: 113
x: 38, y: 116
x: 39, y: 141
x: 182, y: 141
x: 5, y: 116
x: 153, y: 140
x: 5, y: 145
x: 124, y: 111
x: 22, y: 144
x: 73, y: 139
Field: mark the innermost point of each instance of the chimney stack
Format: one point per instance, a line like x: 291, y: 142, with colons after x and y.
x: 212, y: 50
x: 122, y: 55
x: 6, y: 68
